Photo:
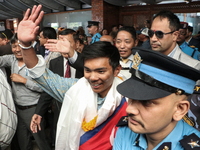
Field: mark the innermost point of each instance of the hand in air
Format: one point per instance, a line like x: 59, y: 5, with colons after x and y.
x: 28, y: 27
x: 62, y: 45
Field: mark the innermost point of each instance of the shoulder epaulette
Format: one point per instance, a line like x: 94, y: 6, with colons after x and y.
x: 190, y: 142
x: 196, y: 89
x: 123, y: 121
x: 165, y: 146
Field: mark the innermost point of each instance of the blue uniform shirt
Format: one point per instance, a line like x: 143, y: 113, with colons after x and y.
x: 96, y: 37
x: 189, y: 51
x: 128, y: 140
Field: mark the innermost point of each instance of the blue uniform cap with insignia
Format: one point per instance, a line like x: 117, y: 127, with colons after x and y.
x: 155, y: 75
x: 93, y: 23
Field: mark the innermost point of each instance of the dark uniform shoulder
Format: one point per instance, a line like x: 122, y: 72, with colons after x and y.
x: 123, y: 121
x: 190, y: 142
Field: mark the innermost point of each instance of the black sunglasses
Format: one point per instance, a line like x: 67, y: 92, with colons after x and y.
x: 159, y: 34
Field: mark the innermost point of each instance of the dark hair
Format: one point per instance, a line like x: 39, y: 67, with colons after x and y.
x: 8, y: 33
x: 76, y: 38
x: 49, y: 32
x: 3, y: 35
x: 14, y: 39
x: 174, y: 22
x: 190, y: 29
x: 129, y: 29
x: 102, y: 49
x: 67, y: 31
x: 113, y: 26
x: 148, y: 21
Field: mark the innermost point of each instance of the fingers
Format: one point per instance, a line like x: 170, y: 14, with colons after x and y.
x: 39, y: 127
x: 51, y: 47
x: 32, y: 12
x: 39, y: 19
x: 35, y: 12
x: 52, y: 41
x: 26, y: 14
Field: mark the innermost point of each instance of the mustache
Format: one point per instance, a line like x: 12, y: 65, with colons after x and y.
x: 132, y: 115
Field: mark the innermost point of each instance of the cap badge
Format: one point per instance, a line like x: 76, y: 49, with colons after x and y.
x: 197, y: 88
x: 136, y: 61
x: 194, y: 144
x: 125, y: 119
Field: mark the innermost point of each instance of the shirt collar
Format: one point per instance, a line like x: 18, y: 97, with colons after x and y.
x: 189, y: 40
x: 173, y: 51
x: 96, y: 35
x: 130, y: 57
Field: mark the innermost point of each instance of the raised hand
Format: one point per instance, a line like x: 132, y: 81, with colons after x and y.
x: 35, y: 122
x: 28, y: 27
x: 62, y: 45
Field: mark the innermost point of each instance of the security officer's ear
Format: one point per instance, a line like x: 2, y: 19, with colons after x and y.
x: 182, y: 106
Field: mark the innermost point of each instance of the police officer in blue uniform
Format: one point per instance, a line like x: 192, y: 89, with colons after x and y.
x: 193, y: 52
x: 93, y: 29
x: 157, y: 92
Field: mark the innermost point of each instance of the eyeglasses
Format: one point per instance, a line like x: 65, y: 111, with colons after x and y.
x: 159, y: 34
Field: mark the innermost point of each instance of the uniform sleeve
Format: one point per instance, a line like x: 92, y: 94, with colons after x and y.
x: 118, y: 139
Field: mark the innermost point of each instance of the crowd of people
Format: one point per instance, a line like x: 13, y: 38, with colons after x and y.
x: 127, y: 89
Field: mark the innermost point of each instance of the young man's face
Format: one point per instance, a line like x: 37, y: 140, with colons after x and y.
x: 42, y: 39
x: 92, y: 30
x: 124, y: 43
x: 3, y: 41
x: 182, y: 36
x: 70, y: 38
x: 151, y: 116
x: 99, y: 74
x: 16, y: 49
x: 166, y: 44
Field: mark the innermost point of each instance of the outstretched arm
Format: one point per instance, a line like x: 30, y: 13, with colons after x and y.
x: 27, y: 32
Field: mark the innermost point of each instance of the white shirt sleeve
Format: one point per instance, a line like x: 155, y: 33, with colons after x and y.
x: 39, y: 69
x: 74, y: 58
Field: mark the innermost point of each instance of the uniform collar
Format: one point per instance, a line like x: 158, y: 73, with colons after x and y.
x: 96, y: 35
x: 170, y: 141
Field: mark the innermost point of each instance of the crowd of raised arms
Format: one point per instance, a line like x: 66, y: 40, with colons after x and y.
x: 128, y: 89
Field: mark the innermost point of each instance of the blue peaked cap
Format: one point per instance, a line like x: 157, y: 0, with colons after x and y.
x: 155, y: 75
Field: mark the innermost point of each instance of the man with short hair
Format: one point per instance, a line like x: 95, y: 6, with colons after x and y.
x: 157, y: 102
x: 45, y: 34
x: 91, y: 105
x: 107, y: 38
x: 182, y: 43
x: 93, y: 29
x: 163, y: 37
x: 144, y: 37
x: 190, y: 40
